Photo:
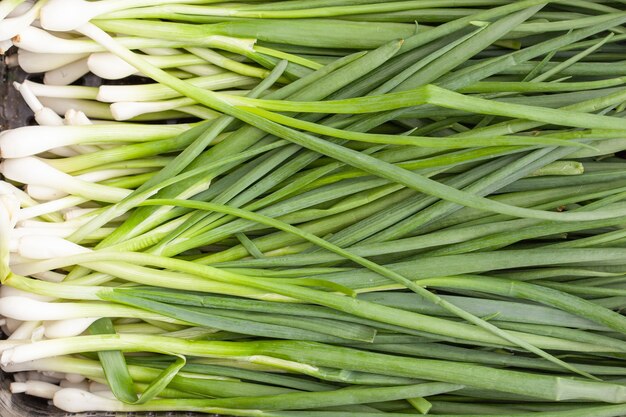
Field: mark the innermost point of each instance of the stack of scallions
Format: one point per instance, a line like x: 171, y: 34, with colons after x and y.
x: 325, y: 208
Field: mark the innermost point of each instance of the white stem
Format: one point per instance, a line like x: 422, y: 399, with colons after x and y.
x: 16, y: 259
x: 13, y: 245
x: 41, y: 62
x: 200, y: 112
x: 44, y: 193
x: 63, y: 151
x: 12, y: 26
x: 178, y: 73
x: 77, y: 401
x: 6, y: 291
x: 160, y: 51
x: 43, y: 115
x: 91, y: 369
x: 77, y: 118
x: 156, y: 91
x: 61, y: 91
x: 38, y: 334
x: 28, y: 96
x: 55, y: 17
x: 25, y: 331
x: 37, y: 40
x: 56, y: 329
x: 23, y: 198
x: 81, y: 216
x: 80, y: 149
x: 91, y: 108
x: 10, y: 344
x: 32, y: 140
x: 48, y: 117
x: 9, y: 207
x: 108, y: 394
x: 22, y: 8
x: 35, y: 388
x: 128, y: 109
x: 51, y: 226
x: 8, y: 7
x: 31, y: 170
x: 105, y: 174
x: 18, y: 233
x: 76, y: 213
x: 50, y: 276
x: 23, y: 308
x: 47, y: 247
x: 50, y: 207
x: 67, y: 74
x: 28, y: 309
x: 109, y: 66
x: 203, y: 70
x: 213, y: 57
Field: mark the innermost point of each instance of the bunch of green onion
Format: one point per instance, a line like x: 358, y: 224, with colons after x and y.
x: 317, y: 209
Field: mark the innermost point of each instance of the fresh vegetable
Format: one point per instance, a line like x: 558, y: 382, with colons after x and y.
x: 331, y: 208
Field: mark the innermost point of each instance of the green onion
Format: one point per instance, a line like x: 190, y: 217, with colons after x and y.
x: 331, y: 208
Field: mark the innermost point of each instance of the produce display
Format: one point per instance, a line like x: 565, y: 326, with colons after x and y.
x: 325, y: 208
